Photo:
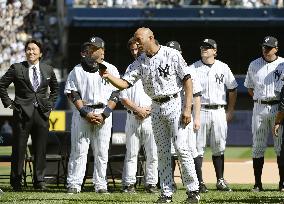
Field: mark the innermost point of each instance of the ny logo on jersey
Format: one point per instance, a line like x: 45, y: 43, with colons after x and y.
x: 277, y: 74
x: 219, y: 79
x: 164, y: 72
x: 104, y: 81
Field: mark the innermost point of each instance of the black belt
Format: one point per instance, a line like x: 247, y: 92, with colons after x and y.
x: 165, y: 99
x: 212, y: 106
x: 97, y: 106
x: 274, y: 102
x: 131, y: 112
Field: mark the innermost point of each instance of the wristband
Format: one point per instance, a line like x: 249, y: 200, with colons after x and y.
x: 107, y: 111
x: 84, y: 111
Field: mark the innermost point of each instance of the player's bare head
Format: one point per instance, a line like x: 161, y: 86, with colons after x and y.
x: 145, y: 38
x: 134, y: 47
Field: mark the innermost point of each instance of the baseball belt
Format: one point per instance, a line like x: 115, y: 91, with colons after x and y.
x: 165, y: 99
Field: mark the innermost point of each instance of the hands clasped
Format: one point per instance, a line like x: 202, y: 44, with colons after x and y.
x: 143, y: 112
x: 96, y: 119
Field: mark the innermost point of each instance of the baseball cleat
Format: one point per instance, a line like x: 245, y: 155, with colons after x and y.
x: 203, y: 188
x: 102, y: 191
x: 129, y: 189
x: 73, y: 190
x: 192, y: 197
x: 257, y: 188
x: 222, y: 185
x: 151, y: 188
x: 164, y: 199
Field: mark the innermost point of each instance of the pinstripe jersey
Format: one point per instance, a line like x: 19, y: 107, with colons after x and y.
x: 91, y: 86
x: 214, y: 80
x: 137, y: 95
x: 161, y: 74
x: 263, y: 76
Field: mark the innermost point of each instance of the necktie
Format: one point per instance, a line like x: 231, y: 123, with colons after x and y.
x: 35, y: 79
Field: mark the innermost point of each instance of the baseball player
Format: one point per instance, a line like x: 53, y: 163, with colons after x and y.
x: 91, y: 120
x: 215, y: 78
x: 163, y: 73
x: 278, y: 122
x: 192, y: 128
x: 138, y: 131
x: 262, y: 80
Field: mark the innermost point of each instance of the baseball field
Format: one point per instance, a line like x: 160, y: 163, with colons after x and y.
x: 238, y: 172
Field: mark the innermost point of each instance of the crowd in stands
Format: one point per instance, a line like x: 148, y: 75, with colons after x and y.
x: 177, y: 3
x: 21, y: 20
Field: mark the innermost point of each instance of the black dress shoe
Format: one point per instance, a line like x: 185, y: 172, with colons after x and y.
x: 40, y: 186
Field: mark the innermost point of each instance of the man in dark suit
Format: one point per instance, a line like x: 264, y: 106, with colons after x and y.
x: 31, y: 108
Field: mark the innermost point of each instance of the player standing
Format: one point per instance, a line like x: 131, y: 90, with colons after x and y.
x: 192, y: 127
x: 164, y: 72
x: 138, y: 129
x: 215, y: 77
x: 89, y: 93
x: 263, y: 76
x: 279, y: 122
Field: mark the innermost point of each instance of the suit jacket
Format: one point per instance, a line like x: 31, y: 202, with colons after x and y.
x: 25, y: 96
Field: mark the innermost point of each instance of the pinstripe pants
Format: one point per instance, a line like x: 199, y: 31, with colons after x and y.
x: 82, y: 135
x: 140, y: 132
x: 167, y: 126
x: 263, y: 119
x: 213, y: 127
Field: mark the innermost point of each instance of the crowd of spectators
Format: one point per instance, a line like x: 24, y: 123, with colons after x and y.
x: 21, y: 20
x: 176, y: 3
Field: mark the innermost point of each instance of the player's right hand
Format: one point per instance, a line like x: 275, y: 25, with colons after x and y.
x: 186, y: 117
x: 275, y: 130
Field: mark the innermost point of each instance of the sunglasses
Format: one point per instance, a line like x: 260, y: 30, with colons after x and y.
x: 206, y: 47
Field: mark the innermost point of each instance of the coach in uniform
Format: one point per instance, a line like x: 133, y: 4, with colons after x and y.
x: 164, y: 72
x: 138, y: 129
x: 263, y: 76
x: 89, y: 93
x: 215, y: 77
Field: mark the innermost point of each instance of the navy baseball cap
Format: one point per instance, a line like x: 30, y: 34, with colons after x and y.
x: 94, y: 41
x: 174, y: 45
x: 270, y: 41
x: 209, y: 42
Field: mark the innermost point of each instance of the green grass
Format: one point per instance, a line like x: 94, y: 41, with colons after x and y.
x: 241, y: 153
x: 230, y: 153
x: 240, y: 194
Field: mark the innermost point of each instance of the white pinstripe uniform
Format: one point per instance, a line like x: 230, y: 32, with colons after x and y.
x: 139, y: 132
x: 162, y: 76
x: 214, y: 82
x: 93, y: 90
x: 264, y: 78
x: 191, y: 133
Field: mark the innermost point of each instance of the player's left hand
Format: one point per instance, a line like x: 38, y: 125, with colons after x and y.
x: 104, y: 73
x: 196, y: 125
x: 186, y: 117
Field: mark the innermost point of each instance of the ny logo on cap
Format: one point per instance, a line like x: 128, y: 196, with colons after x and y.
x: 266, y: 39
x: 172, y: 44
x: 93, y: 39
x: 206, y: 40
